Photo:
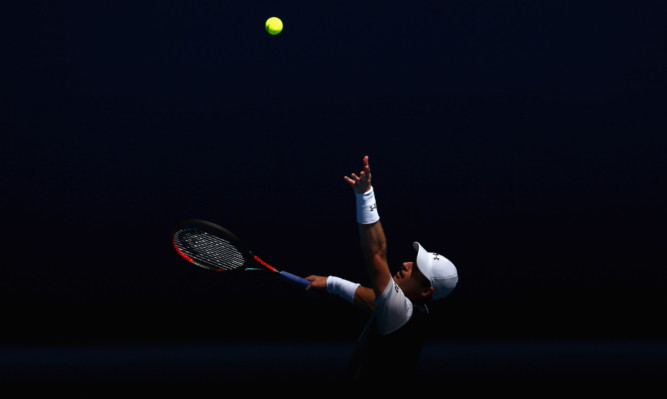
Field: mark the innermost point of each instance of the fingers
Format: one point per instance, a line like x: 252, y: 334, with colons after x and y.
x: 367, y: 168
x: 318, y: 283
x: 364, y: 175
x: 311, y: 279
x: 354, y: 179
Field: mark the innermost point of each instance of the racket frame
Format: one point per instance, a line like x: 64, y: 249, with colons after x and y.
x: 240, y: 246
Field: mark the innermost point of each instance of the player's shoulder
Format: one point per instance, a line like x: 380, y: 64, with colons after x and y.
x: 393, y: 309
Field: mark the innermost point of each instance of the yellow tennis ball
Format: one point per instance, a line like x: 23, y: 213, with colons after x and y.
x: 274, y: 25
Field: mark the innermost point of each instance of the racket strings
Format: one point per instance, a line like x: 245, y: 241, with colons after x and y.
x: 209, y: 250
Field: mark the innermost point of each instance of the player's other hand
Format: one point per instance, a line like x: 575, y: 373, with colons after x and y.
x: 317, y: 283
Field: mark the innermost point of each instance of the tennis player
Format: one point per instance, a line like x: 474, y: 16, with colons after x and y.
x: 393, y: 338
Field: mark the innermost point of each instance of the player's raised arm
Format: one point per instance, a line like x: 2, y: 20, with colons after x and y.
x: 371, y: 234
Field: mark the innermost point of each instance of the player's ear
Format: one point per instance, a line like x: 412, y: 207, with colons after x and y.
x: 427, y: 291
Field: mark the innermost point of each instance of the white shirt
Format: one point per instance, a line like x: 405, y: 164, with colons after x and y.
x: 392, y: 310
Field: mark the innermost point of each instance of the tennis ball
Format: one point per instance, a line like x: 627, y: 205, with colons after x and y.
x: 274, y: 25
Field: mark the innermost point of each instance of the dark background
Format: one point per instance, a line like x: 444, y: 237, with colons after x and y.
x: 523, y: 140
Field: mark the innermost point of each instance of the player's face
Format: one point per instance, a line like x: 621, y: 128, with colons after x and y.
x: 410, y: 279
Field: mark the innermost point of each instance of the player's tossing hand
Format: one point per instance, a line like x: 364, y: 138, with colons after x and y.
x: 361, y: 183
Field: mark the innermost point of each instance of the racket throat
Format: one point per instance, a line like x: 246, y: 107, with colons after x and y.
x: 265, y: 264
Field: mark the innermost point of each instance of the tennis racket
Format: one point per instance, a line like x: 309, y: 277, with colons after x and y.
x: 215, y: 248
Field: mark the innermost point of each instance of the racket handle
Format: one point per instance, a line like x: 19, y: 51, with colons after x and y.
x: 295, y: 279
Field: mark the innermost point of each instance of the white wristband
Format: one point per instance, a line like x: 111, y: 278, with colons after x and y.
x: 367, y: 212
x: 342, y: 288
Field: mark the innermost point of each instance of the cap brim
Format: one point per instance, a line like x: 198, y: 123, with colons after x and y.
x: 423, y: 261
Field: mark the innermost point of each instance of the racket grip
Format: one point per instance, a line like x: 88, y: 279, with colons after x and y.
x: 295, y: 279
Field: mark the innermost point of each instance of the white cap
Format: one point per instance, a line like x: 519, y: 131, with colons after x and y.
x: 439, y: 270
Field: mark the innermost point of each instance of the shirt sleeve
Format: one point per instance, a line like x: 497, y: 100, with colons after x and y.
x: 392, y: 310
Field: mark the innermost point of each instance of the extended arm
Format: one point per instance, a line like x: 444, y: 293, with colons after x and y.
x: 371, y: 234
x: 363, y: 297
